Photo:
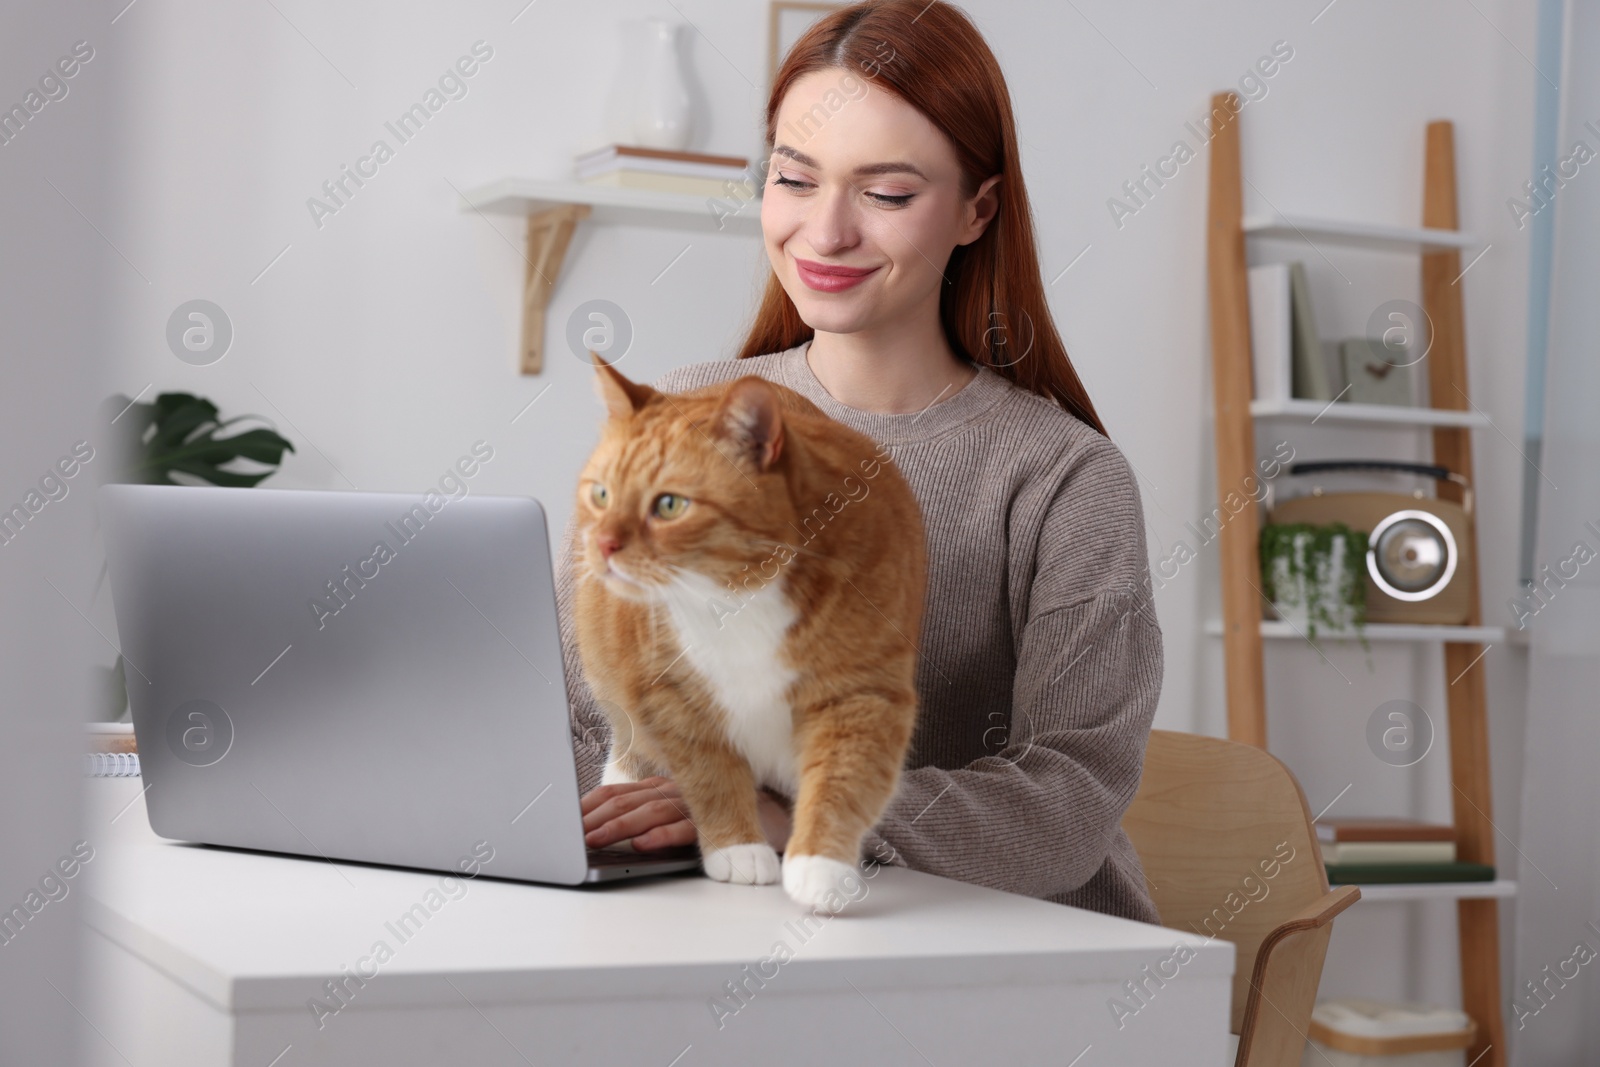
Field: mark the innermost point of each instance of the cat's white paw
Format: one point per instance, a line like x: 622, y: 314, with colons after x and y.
x: 753, y: 864
x: 820, y: 882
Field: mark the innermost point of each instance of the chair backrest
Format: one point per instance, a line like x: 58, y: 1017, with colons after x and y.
x: 1225, y: 836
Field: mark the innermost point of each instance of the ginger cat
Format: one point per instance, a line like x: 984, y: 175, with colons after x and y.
x: 749, y: 604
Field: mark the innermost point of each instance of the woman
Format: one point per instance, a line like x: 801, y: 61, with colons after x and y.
x: 905, y: 301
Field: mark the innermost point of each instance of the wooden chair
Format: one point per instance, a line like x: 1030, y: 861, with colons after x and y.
x: 1225, y: 836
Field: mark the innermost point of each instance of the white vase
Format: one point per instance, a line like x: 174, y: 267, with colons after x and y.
x: 662, y: 112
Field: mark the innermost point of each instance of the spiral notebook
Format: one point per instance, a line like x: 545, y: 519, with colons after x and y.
x: 111, y: 764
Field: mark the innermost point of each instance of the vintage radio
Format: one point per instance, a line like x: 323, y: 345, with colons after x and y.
x: 1419, y: 548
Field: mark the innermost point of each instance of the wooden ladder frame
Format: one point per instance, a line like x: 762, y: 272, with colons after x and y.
x: 1242, y: 599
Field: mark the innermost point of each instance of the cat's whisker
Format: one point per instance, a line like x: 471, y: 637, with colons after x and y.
x: 676, y: 579
x: 768, y: 543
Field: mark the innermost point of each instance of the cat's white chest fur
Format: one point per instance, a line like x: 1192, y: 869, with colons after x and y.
x: 736, y: 646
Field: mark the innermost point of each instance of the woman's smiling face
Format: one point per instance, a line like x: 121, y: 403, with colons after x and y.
x: 863, y: 204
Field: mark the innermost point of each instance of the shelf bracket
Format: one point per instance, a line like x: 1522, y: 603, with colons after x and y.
x: 549, y: 234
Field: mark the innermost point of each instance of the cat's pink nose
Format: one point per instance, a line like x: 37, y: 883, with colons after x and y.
x: 608, y: 544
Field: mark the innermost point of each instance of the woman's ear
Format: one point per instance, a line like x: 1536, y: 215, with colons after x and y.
x: 749, y: 419
x: 622, y: 397
x: 984, y: 205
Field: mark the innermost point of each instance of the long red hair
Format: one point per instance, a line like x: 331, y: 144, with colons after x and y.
x: 993, y: 305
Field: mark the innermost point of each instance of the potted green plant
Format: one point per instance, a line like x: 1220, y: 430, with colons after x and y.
x: 1314, y: 576
x: 180, y: 434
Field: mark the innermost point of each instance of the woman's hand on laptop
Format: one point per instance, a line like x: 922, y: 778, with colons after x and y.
x: 651, y: 812
x: 653, y: 815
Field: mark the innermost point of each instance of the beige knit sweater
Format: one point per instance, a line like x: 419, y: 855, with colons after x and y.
x: 1041, y: 655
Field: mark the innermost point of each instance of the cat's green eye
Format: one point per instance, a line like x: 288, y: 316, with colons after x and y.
x: 599, y: 495
x: 670, y: 505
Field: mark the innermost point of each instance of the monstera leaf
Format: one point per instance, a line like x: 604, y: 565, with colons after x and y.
x: 180, y: 433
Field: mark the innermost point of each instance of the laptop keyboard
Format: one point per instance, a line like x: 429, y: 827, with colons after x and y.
x: 610, y: 857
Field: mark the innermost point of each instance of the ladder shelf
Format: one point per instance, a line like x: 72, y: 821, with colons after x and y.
x: 1439, y: 244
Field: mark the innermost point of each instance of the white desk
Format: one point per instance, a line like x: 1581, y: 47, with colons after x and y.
x: 201, y: 956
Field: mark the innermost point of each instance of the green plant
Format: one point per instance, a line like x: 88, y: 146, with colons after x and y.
x: 1318, y: 570
x: 180, y: 433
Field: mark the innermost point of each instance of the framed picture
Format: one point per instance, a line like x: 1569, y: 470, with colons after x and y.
x: 787, y: 22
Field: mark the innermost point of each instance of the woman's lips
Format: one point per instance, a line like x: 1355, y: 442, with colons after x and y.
x: 827, y: 278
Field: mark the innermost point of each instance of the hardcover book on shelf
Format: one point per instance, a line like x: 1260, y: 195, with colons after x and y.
x: 1382, y: 828
x: 660, y: 161
x: 1271, y: 326
x: 1333, y: 360
x: 1310, y: 377
x: 1388, y: 852
x: 1404, y: 873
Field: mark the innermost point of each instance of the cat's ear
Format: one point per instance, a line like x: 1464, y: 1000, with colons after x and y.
x: 622, y: 397
x: 750, y: 419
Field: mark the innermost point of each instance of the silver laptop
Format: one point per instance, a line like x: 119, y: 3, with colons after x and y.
x: 353, y: 676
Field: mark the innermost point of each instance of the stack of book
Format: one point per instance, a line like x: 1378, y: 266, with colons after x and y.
x: 624, y: 166
x: 1386, y: 851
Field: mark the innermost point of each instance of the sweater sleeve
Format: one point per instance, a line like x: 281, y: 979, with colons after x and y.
x: 1040, y: 816
x: 591, y: 732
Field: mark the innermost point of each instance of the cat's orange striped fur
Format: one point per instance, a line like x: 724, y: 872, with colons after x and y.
x: 748, y: 612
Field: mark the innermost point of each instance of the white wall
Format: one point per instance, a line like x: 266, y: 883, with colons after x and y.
x: 383, y: 343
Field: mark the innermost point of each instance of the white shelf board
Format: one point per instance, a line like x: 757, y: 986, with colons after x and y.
x: 1333, y: 231
x: 1379, y: 631
x: 635, y: 207
x: 1340, y: 411
x: 1500, y: 887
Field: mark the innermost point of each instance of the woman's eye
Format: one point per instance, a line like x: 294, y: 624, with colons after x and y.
x: 898, y: 200
x: 599, y: 495
x: 670, y: 505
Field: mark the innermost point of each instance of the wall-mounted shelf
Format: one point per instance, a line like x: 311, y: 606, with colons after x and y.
x: 1500, y: 887
x: 1338, y: 411
x: 554, y: 209
x: 1333, y: 231
x: 1278, y: 629
x: 628, y: 207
